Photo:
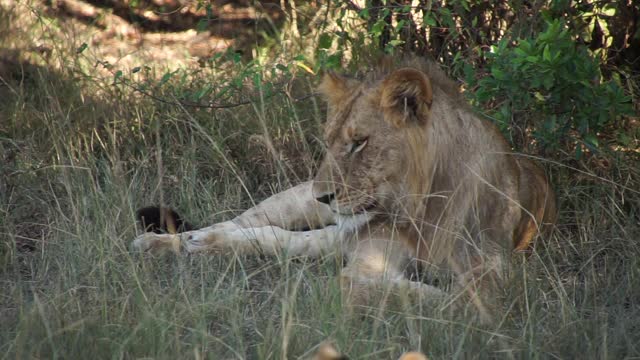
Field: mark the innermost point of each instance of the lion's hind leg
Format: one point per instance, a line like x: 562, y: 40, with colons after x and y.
x: 360, y: 286
x: 377, y: 264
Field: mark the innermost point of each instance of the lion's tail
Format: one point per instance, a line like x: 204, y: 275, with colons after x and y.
x: 159, y: 219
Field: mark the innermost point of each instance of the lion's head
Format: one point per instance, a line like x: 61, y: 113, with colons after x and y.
x: 375, y: 134
x: 402, y: 143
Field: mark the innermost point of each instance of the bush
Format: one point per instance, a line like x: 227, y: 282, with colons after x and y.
x: 551, y: 86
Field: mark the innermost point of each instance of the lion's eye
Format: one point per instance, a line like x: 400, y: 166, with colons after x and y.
x: 358, y: 145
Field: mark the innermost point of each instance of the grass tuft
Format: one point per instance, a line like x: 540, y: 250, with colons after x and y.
x: 78, y: 155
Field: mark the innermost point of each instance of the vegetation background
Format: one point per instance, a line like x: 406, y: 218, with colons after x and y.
x: 109, y: 105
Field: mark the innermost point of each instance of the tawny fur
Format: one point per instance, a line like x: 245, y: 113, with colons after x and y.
x: 410, y: 173
x: 443, y: 178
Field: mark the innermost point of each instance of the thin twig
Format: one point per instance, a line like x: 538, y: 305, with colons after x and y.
x: 211, y: 106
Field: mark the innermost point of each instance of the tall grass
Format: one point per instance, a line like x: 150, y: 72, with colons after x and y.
x: 79, y: 156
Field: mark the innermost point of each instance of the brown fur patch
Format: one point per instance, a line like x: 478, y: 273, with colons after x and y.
x: 417, y: 173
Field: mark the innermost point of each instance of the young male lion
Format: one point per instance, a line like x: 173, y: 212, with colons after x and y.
x: 410, y: 173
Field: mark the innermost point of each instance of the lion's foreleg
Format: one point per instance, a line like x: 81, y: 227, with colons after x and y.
x: 155, y: 243
x: 267, y: 226
x: 292, y: 209
x: 264, y: 239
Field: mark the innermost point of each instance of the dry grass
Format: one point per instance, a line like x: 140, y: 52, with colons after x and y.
x: 79, y: 155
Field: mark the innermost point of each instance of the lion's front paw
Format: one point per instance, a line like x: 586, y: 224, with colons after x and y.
x: 203, y: 241
x: 143, y: 242
x: 151, y: 242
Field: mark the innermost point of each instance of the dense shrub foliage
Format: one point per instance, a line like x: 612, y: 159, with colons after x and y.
x: 552, y: 85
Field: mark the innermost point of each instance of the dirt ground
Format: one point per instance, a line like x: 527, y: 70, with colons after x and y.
x: 124, y: 34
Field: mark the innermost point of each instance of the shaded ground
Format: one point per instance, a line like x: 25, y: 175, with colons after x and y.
x: 165, y: 33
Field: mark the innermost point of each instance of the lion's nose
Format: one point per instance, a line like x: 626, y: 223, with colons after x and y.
x: 326, y: 198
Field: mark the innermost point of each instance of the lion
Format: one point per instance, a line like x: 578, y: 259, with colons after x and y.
x: 411, y: 173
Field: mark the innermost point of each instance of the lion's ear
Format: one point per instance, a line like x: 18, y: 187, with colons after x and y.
x: 406, y: 97
x: 334, y: 87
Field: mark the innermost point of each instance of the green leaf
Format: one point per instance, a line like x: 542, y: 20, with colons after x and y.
x: 591, y: 141
x: 548, y: 81
x: 546, y: 55
x: 429, y: 20
x: 334, y: 61
x: 469, y: 73
x: 82, y: 48
x: 518, y: 51
x: 202, y: 92
x: 497, y: 73
x: 378, y: 27
x: 202, y: 25
x: 444, y: 11
x: 257, y: 80
x: 166, y: 77
x: 624, y: 139
x: 578, y: 151
x: 325, y: 41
